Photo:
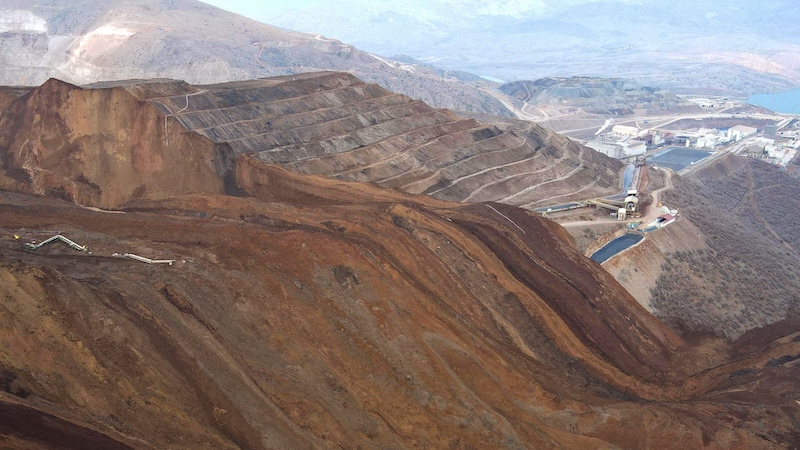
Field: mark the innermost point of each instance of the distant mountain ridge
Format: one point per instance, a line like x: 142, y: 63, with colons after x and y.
x: 738, y: 46
x: 597, y: 95
x: 88, y: 41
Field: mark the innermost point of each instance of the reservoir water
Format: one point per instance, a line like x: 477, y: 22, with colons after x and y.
x: 787, y: 102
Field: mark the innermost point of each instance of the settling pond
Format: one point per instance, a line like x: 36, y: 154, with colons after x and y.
x: 617, y: 245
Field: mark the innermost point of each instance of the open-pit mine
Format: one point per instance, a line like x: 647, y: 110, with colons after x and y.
x: 313, y: 298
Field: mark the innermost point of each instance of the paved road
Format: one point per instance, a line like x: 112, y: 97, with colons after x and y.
x: 520, y: 113
x: 672, y: 118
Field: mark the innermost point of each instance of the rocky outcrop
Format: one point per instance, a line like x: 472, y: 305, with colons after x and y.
x: 100, y: 147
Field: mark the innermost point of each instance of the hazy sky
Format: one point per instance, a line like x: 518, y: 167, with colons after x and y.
x: 392, y: 26
x: 257, y: 8
x: 522, y: 39
x: 383, y: 24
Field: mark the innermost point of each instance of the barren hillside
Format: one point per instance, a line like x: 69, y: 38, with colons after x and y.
x: 315, y: 313
x: 729, y: 265
x: 606, y: 96
x: 9, y: 94
x: 303, y: 311
x: 87, y: 41
x: 747, y: 277
x: 323, y: 123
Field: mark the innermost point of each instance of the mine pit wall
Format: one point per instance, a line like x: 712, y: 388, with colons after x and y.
x: 103, y: 148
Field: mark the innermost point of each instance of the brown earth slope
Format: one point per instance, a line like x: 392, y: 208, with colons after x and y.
x: 606, y: 96
x: 9, y: 94
x: 316, y: 313
x: 130, y: 136
x: 729, y: 264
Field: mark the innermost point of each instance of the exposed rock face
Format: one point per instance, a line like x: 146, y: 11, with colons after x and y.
x: 66, y: 141
x: 323, y: 123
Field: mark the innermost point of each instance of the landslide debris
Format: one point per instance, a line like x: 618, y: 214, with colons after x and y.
x: 305, y: 311
x: 364, y: 317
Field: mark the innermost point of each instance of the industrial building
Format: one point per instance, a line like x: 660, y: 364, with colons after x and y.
x: 624, y: 130
x: 616, y: 145
x: 740, y: 132
x: 664, y: 220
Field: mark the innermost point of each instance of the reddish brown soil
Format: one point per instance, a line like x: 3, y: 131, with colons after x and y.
x: 317, y: 313
x: 28, y: 426
x: 9, y: 94
x: 309, y: 312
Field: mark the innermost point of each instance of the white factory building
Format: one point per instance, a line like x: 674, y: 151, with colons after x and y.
x: 740, y: 132
x: 615, y: 146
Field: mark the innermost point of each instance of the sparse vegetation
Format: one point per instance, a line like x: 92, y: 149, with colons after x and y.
x: 585, y: 236
x: 748, y: 276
